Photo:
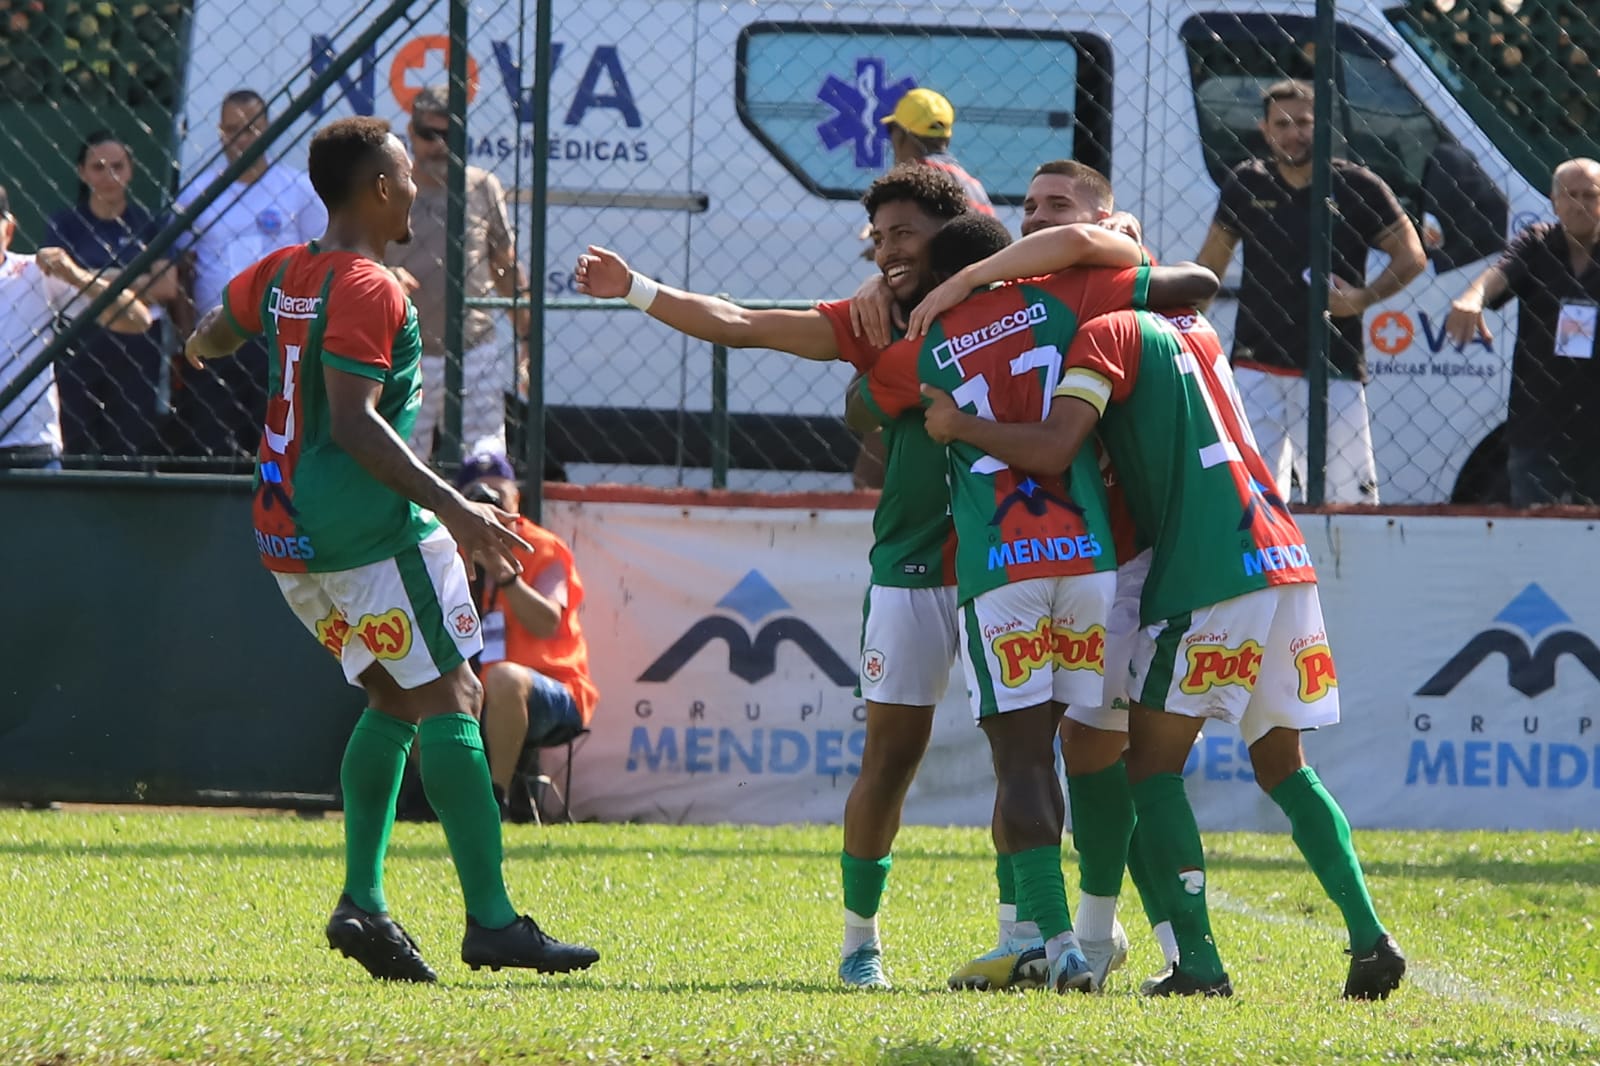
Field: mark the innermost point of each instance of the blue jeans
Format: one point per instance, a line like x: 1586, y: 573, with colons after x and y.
x: 552, y: 712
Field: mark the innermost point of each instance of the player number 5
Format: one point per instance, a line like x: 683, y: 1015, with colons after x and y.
x: 279, y: 442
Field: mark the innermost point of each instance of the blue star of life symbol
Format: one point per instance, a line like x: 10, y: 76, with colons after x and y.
x: 859, y: 110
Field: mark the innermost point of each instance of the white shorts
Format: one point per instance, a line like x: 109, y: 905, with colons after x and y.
x: 1277, y: 407
x: 1037, y: 640
x: 908, y: 644
x: 1121, y: 629
x: 412, y: 614
x: 487, y: 374
x: 1259, y: 661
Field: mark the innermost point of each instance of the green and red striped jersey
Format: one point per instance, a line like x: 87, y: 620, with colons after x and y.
x: 999, y: 355
x: 316, y: 508
x: 1195, y: 483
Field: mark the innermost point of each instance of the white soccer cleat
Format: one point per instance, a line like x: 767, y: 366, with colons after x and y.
x: 1106, y: 956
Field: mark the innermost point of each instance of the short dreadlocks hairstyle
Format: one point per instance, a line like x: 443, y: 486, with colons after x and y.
x: 930, y: 188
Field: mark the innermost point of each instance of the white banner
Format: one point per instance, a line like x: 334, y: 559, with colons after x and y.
x: 725, y: 642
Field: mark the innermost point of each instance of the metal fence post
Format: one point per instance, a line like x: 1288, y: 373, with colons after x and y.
x: 1320, y: 331
x: 719, y: 416
x: 533, y: 449
x: 455, y: 249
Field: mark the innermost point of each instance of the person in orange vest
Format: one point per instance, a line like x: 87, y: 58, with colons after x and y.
x: 535, y: 663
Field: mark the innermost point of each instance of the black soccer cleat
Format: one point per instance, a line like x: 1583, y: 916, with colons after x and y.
x: 1178, y: 983
x: 523, y: 945
x: 1377, y: 973
x: 378, y: 943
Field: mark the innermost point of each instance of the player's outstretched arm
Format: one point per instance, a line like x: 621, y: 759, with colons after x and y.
x: 355, y: 425
x: 1044, y: 252
x: 1181, y: 285
x: 214, y: 337
x: 1046, y: 447
x: 605, y: 274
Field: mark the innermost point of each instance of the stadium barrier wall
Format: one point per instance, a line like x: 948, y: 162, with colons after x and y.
x: 725, y: 642
x: 148, y: 658
x: 147, y: 655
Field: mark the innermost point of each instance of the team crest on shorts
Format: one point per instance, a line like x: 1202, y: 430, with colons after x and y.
x: 872, y: 665
x: 463, y: 620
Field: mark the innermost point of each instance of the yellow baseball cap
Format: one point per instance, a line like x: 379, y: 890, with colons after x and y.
x: 923, y: 113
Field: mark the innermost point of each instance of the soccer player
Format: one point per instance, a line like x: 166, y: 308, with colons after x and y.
x: 1034, y: 564
x: 909, y: 629
x: 363, y: 538
x: 1232, y: 626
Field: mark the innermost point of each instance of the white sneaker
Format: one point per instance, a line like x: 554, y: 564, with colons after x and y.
x: 1071, y: 972
x: 1105, y: 956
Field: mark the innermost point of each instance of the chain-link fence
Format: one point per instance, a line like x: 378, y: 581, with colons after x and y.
x: 723, y: 148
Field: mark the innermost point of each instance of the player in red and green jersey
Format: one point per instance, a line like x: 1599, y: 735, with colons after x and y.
x: 1034, y: 565
x: 363, y: 540
x: 909, y: 629
x: 1232, y: 626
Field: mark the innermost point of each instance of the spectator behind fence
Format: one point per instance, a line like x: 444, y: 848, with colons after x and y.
x: 1550, y: 268
x: 219, y: 409
x: 491, y: 268
x: 34, y: 289
x: 110, y: 381
x: 535, y: 663
x: 1267, y: 205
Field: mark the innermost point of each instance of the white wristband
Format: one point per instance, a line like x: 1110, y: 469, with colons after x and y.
x: 641, y: 291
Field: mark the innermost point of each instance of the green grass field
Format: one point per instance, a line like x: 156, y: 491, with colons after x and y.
x: 192, y: 938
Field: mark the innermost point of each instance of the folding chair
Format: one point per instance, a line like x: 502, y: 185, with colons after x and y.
x: 531, y: 786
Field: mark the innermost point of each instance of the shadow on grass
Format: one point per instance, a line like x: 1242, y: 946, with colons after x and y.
x: 929, y: 1055
x: 54, y: 980
x: 1462, y: 866
x: 514, y: 849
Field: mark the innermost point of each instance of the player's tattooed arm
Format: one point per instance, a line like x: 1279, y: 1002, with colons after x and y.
x: 214, y: 336
x: 1046, y: 447
x: 808, y: 334
x: 480, y: 529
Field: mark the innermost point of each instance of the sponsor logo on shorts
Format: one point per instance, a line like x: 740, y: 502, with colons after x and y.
x: 463, y: 620
x: 333, y: 632
x: 386, y: 635
x: 873, y: 665
x: 956, y: 348
x: 1313, y: 664
x: 1048, y: 646
x: 1214, y: 665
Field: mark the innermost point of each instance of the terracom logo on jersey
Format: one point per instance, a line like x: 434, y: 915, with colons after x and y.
x: 751, y: 660
x: 954, y: 349
x: 284, y: 306
x: 1531, y: 670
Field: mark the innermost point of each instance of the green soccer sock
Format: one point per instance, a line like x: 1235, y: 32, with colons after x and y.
x: 1102, y: 823
x: 455, y: 776
x: 1006, y: 880
x: 369, y: 777
x: 1139, y: 870
x: 1322, y: 834
x: 1177, y: 860
x: 863, y: 883
x: 1042, y: 889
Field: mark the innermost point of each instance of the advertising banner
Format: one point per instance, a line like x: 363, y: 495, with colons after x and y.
x: 725, y: 642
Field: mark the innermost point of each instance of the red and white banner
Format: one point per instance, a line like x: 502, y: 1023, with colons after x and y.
x: 725, y: 642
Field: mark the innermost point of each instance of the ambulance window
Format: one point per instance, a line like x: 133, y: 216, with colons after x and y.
x: 1378, y: 121
x: 814, y: 95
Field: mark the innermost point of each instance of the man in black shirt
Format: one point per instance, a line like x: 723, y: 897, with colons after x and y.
x: 1267, y: 205
x: 1552, y: 269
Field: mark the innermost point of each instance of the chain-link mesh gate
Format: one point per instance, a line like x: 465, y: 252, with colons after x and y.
x: 722, y: 148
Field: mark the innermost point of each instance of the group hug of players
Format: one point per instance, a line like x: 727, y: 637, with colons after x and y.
x: 1074, y: 506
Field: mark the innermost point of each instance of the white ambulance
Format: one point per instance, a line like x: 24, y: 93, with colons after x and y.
x: 722, y: 147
